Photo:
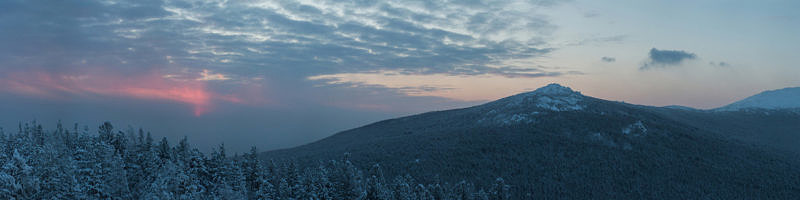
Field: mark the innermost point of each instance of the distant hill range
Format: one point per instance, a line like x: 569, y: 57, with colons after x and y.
x: 557, y: 143
x: 773, y: 99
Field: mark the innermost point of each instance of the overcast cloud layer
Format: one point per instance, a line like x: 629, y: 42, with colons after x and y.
x: 250, y: 39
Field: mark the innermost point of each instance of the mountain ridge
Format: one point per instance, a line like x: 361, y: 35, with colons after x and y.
x: 558, y: 143
x: 771, y: 99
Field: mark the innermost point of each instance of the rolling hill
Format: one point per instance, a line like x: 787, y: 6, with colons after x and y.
x: 772, y: 99
x: 557, y: 143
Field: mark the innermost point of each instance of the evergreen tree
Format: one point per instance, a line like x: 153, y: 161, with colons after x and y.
x: 182, y: 150
x: 376, y: 188
x: 86, y: 174
x: 105, y: 132
x: 54, y: 166
x: 148, y: 143
x: 18, y: 179
x: 253, y: 173
x: 265, y: 191
x: 164, y: 151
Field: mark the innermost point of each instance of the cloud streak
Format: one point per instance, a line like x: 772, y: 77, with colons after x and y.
x: 453, y: 87
x: 148, y: 86
x: 207, y: 75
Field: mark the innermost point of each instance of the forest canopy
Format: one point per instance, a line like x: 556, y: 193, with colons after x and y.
x: 114, y: 164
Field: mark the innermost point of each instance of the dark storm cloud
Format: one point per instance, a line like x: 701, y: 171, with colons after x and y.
x: 665, y: 58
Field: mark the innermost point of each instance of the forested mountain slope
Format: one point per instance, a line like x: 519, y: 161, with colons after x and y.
x: 777, y: 129
x: 555, y: 143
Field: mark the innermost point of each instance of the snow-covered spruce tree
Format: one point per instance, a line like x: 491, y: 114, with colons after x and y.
x: 295, y: 181
x: 376, y: 184
x: 55, y: 167
x: 105, y: 132
x: 225, y: 175
x: 346, y: 179
x: 320, y: 182
x: 162, y: 184
x: 265, y: 190
x: 194, y: 177
x: 86, y: 168
x: 164, y: 152
x: 18, y: 179
x: 181, y: 151
x: 108, y: 175
x: 141, y: 164
x: 253, y: 173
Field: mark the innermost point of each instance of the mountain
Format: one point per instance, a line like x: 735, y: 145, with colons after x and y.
x: 773, y: 99
x: 557, y: 143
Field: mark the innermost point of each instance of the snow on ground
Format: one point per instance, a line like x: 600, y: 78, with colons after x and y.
x: 523, y: 108
x: 635, y: 129
x: 553, y: 97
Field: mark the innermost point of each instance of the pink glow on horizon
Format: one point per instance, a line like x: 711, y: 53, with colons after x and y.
x: 148, y: 86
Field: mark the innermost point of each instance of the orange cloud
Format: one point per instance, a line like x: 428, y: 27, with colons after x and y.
x: 149, y: 86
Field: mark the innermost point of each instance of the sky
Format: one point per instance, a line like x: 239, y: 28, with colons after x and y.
x: 277, y: 74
